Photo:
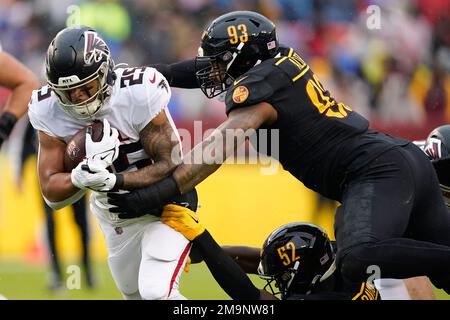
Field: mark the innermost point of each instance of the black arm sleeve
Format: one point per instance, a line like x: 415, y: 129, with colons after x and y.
x: 227, y: 273
x: 180, y: 74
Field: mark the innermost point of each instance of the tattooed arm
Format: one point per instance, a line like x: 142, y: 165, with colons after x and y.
x: 193, y: 170
x: 162, y: 145
x: 213, y: 151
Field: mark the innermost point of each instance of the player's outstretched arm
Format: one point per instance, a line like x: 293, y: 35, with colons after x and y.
x: 181, y: 74
x: 21, y: 81
x: 227, y: 273
x: 214, y: 150
x: 246, y: 257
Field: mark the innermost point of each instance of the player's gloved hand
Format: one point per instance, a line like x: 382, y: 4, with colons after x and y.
x: 106, y: 150
x: 186, y: 266
x: 93, y: 175
x: 7, y: 122
x: 145, y: 200
x: 183, y: 220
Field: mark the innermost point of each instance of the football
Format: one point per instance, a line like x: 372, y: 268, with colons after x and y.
x: 76, y: 147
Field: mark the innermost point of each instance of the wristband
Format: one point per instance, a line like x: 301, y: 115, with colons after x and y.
x: 7, y: 122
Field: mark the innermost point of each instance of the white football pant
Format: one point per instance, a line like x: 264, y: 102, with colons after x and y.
x: 146, y: 259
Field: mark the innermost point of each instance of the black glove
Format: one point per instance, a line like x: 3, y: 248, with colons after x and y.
x: 7, y: 122
x: 147, y: 200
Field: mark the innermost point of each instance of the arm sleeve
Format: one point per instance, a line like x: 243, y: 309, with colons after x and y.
x: 180, y: 74
x: 227, y: 273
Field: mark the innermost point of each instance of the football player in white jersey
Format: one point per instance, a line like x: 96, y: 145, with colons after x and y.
x: 17, y: 77
x: 145, y: 256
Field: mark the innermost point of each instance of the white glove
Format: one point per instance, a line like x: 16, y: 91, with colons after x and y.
x: 106, y: 150
x: 93, y: 175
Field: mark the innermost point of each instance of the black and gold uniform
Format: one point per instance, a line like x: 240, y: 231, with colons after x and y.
x: 387, y: 186
x: 392, y: 214
x: 319, y: 137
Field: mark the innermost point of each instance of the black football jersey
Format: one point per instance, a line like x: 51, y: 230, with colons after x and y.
x: 321, y: 140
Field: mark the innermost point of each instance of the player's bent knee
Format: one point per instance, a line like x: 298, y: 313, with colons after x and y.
x: 353, y: 264
x: 154, y: 291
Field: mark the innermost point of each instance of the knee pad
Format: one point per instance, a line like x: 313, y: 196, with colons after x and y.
x: 353, y: 264
x: 153, y: 291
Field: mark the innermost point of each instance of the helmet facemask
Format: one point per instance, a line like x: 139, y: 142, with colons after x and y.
x: 222, y: 69
x: 86, y: 109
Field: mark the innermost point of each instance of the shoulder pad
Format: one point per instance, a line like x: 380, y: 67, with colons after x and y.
x: 257, y: 85
x: 146, y: 91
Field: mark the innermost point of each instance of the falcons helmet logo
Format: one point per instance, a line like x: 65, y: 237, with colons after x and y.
x: 433, y: 148
x: 94, y: 48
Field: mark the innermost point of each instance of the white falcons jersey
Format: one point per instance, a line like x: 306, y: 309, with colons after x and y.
x: 138, y: 95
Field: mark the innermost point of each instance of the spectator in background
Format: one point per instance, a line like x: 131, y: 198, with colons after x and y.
x: 113, y: 22
x: 436, y: 101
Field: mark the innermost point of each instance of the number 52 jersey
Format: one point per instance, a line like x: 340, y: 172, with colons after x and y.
x: 138, y: 95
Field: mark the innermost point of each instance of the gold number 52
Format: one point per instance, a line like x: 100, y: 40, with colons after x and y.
x: 285, y: 258
x: 233, y: 33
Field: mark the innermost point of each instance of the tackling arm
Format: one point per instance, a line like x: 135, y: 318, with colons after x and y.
x: 160, y: 141
x: 193, y: 170
x: 213, y: 150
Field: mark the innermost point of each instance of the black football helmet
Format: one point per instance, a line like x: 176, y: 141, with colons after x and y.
x: 231, y: 45
x: 75, y: 57
x: 437, y: 148
x: 296, y: 256
x: 438, y: 143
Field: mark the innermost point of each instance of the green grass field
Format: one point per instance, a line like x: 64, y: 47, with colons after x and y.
x: 20, y: 281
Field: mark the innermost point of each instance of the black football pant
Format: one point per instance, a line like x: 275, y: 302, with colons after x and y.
x: 393, y: 216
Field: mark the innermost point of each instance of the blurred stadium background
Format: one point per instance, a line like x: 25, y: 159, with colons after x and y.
x: 396, y: 75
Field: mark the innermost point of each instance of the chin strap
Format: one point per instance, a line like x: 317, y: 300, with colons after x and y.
x: 329, y: 272
x: 293, y: 272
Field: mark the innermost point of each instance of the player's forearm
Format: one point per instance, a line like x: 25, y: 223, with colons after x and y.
x: 148, y: 175
x: 227, y: 273
x: 17, y: 103
x: 58, y: 187
x: 246, y: 257
x: 205, y: 158
x: 187, y: 176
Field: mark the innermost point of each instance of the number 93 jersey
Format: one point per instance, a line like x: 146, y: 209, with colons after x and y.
x: 316, y: 133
